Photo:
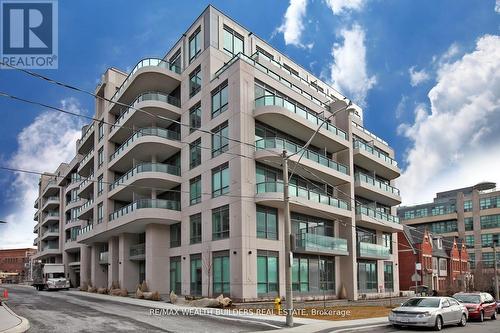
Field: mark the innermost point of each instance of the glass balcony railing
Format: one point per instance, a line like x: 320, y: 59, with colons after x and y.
x: 146, y: 203
x: 53, y: 230
x: 86, y: 181
x: 148, y: 96
x: 313, y: 242
x: 145, y: 63
x: 87, y: 133
x: 373, y: 136
x: 137, y: 250
x: 370, y: 250
x: 52, y: 198
x: 376, y: 214
x: 50, y: 183
x: 359, y: 176
x: 85, y: 229
x: 375, y: 151
x: 148, y: 131
x: 86, y: 158
x: 103, y: 257
x: 51, y: 247
x: 51, y: 214
x: 309, y: 154
x: 86, y: 205
x: 300, y: 111
x: 146, y: 167
x: 298, y: 191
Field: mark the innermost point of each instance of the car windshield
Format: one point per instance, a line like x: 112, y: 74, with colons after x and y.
x: 474, y: 299
x: 423, y: 302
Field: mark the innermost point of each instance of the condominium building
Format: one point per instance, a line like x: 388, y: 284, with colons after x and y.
x: 181, y: 177
x: 470, y: 213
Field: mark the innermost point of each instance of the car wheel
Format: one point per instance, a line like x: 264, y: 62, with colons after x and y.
x: 463, y: 320
x: 439, y: 324
x: 481, y: 316
x: 494, y: 316
x: 396, y: 326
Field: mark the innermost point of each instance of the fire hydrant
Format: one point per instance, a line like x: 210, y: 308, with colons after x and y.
x: 277, y: 305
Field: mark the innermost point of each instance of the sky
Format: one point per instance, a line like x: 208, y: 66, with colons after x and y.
x: 427, y: 74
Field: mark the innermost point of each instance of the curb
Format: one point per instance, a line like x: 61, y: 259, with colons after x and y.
x: 23, y: 326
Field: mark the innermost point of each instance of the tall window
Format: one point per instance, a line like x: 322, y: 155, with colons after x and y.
x: 267, y: 272
x: 490, y: 221
x: 175, y: 275
x: 194, y: 44
x: 195, y: 81
x: 100, y: 185
x: 100, y: 157
x: 220, y: 141
x: 195, y: 153
x: 267, y: 222
x: 220, y: 180
x: 175, y: 235
x: 367, y: 276
x: 233, y: 42
x: 300, y: 274
x: 195, y: 274
x: 469, y: 241
x: 467, y: 205
x: 326, y: 274
x: 221, y: 272
x: 195, y: 190
x: 388, y: 276
x: 219, y: 100
x: 195, y: 117
x: 195, y: 228
x: 469, y: 223
x: 175, y: 61
x: 100, y: 213
x: 100, y: 131
x: 387, y: 241
x: 220, y: 222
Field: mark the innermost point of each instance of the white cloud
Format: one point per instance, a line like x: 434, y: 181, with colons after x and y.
x: 348, y: 71
x: 49, y: 140
x: 417, y: 77
x: 341, y: 6
x: 456, y: 142
x: 400, y: 109
x: 497, y: 6
x: 293, y: 24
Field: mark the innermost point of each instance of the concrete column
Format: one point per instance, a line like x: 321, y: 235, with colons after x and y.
x: 157, y: 258
x: 98, y: 272
x: 85, y: 264
x: 113, y: 259
x: 128, y: 271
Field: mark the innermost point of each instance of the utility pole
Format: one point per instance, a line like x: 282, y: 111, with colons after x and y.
x: 496, y: 270
x: 288, y: 252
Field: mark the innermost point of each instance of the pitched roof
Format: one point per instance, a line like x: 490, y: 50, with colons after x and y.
x: 438, y: 252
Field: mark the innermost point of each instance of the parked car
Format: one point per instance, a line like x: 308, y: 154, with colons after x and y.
x: 429, y: 312
x: 480, y: 305
x: 498, y: 305
x: 421, y: 290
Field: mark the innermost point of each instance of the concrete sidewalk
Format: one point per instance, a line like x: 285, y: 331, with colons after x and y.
x: 272, y: 321
x: 10, y: 322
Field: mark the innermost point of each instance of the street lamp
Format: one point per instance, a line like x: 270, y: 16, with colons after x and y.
x: 3, y: 222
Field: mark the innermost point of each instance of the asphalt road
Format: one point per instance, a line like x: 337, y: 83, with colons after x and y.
x: 58, y: 312
x: 488, y: 326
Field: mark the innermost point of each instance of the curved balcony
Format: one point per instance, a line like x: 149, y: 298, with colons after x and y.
x: 371, y: 218
x: 302, y: 200
x: 49, y: 234
x: 86, y: 165
x: 73, y: 204
x: 36, y: 204
x: 320, y: 244
x: 71, y: 245
x: 375, y: 190
x: 144, y: 143
x: 144, y: 177
x: 51, y: 203
x: 87, y: 140
x: 50, y: 189
x: 86, y: 188
x: 155, y: 104
x: 373, y: 159
x: 50, y: 217
x: 72, y: 223
x: 291, y: 118
x: 148, y: 75
x: 35, y: 217
x: 373, y: 251
x: 269, y: 152
x: 74, y: 184
x: 86, y: 211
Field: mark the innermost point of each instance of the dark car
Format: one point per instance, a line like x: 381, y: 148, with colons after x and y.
x: 480, y: 305
x: 498, y: 305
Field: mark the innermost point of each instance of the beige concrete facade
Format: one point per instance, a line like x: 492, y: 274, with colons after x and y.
x: 138, y: 222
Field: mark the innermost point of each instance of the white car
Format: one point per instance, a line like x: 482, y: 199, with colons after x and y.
x: 429, y: 312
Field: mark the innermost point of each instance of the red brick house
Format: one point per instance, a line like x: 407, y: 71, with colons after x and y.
x: 14, y: 261
x: 458, y: 266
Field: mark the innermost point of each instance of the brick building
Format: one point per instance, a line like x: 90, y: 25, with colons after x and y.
x: 14, y: 261
x: 444, y: 260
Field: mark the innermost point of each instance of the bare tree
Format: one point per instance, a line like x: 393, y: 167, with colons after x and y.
x: 207, y: 268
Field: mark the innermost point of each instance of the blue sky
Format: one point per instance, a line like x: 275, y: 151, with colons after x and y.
x: 392, y: 42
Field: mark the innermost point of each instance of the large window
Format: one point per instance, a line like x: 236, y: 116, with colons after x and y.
x: 220, y: 223
x: 487, y: 240
x: 100, y: 213
x: 175, y: 275
x: 194, y: 44
x: 100, y: 131
x: 233, y: 42
x: 327, y: 274
x: 388, y: 276
x: 267, y: 273
x: 100, y: 157
x: 220, y: 141
x: 195, y: 190
x: 175, y: 235
x: 467, y: 205
x: 490, y: 221
x: 221, y: 273
x: 267, y: 222
x: 195, y: 153
x: 487, y: 203
x: 219, y: 99
x: 195, y: 275
x: 367, y: 276
x: 300, y: 274
x: 469, y: 241
x: 442, y: 227
x: 220, y: 180
x: 472, y: 260
x: 175, y: 61
x: 195, y: 117
x: 195, y: 81
x: 469, y: 223
x: 195, y: 228
x: 387, y: 241
x: 100, y: 185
